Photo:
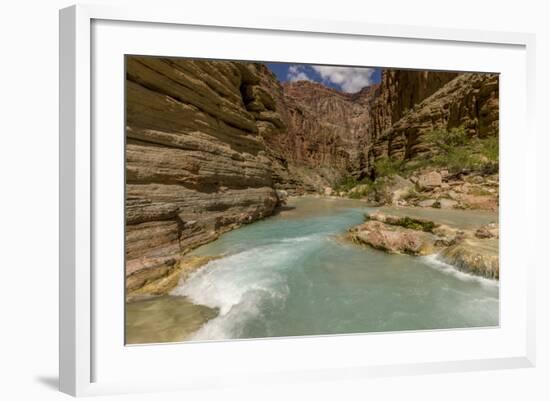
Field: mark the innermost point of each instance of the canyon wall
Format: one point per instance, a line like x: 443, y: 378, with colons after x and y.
x: 401, y: 115
x: 326, y: 136
x: 196, y: 164
x: 336, y: 134
x: 209, y: 144
x: 398, y: 92
x: 325, y: 127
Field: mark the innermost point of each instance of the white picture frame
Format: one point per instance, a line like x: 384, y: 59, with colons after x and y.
x: 91, y: 364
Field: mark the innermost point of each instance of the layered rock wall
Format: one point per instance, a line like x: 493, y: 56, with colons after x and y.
x: 326, y: 135
x: 468, y: 100
x: 398, y: 92
x: 195, y: 157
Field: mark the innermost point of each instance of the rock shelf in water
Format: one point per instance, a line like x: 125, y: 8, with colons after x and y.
x: 473, y: 251
x: 142, y: 288
x: 164, y: 319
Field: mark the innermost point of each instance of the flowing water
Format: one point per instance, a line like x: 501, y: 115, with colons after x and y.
x: 293, y: 274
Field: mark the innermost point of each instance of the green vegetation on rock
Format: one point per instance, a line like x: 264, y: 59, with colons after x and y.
x: 412, y: 193
x: 458, y: 151
x: 416, y: 224
x: 361, y: 191
x: 409, y: 222
x: 347, y: 183
x: 386, y: 166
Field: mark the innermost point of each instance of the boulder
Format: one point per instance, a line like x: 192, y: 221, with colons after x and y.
x: 443, y: 230
x: 487, y: 231
x: 429, y: 180
x: 477, y: 179
x: 465, y: 187
x: 453, y: 195
x: 427, y: 203
x: 328, y: 191
x: 474, y: 256
x: 393, y: 239
x: 447, y: 203
x: 359, y: 191
x: 398, y: 187
x: 282, y: 196
x: 417, y: 236
x: 483, y: 202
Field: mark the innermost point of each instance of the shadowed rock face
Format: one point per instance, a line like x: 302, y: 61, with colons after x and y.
x: 401, y: 116
x: 399, y: 91
x: 195, y: 158
x: 325, y: 127
x: 325, y: 137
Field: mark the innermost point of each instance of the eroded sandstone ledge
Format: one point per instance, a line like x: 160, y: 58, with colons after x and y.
x: 473, y: 251
x: 196, y: 164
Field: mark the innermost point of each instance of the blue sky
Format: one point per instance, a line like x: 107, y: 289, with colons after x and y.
x: 345, y: 79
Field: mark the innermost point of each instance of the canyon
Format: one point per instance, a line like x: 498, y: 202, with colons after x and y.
x: 213, y: 145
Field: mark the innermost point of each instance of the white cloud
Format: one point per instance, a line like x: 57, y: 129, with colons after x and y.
x: 350, y: 79
x: 297, y: 73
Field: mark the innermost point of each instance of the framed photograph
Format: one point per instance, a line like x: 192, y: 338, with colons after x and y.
x: 275, y: 200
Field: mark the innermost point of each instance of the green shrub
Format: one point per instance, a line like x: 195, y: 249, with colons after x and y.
x: 349, y: 183
x: 412, y: 193
x: 457, y: 159
x: 410, y: 166
x: 447, y: 140
x: 416, y: 224
x: 346, y: 184
x: 408, y: 222
x: 460, y: 152
x: 356, y: 195
x: 385, y: 167
x: 489, y: 148
x: 361, y: 192
x: 457, y: 152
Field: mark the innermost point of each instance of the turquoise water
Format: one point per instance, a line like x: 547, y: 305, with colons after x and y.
x: 293, y: 274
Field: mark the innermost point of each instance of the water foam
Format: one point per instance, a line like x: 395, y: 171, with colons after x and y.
x: 434, y: 262
x: 245, y: 284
